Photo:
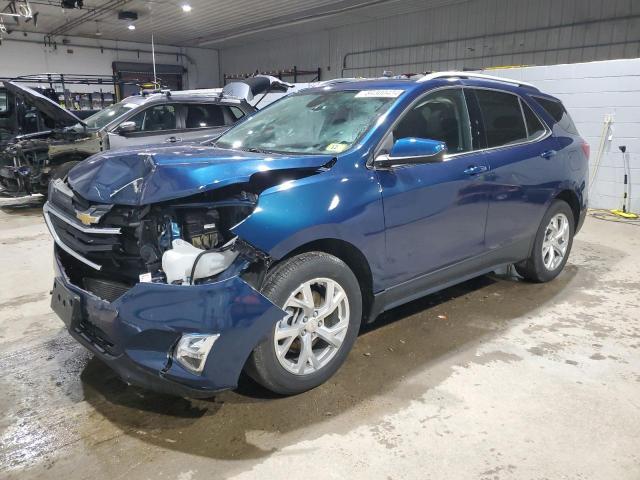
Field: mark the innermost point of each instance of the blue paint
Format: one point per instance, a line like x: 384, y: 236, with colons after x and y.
x: 152, y: 175
x: 146, y: 322
x: 413, y: 222
x: 414, y: 147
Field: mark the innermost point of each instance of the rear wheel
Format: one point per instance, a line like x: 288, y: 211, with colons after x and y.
x: 552, y: 245
x: 323, y: 304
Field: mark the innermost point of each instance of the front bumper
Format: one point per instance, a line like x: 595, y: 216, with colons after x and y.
x: 135, y: 335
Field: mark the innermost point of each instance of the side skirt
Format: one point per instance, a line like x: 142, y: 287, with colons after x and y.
x: 448, y: 276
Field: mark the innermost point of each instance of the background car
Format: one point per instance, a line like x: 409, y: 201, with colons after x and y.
x: 29, y: 160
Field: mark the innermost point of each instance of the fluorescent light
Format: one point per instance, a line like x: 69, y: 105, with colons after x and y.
x: 186, y: 8
x: 131, y: 27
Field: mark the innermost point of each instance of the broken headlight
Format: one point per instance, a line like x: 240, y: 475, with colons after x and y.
x: 193, y: 349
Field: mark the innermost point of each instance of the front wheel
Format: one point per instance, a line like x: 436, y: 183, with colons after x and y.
x: 323, y: 304
x: 552, y: 244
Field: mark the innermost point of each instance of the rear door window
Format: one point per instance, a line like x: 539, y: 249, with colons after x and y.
x: 559, y: 114
x: 155, y: 119
x: 204, y: 116
x: 502, y: 118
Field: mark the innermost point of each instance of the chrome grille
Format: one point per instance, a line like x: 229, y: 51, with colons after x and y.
x: 77, y: 239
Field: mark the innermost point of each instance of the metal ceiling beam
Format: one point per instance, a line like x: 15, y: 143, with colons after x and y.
x: 302, y: 17
x: 94, y: 14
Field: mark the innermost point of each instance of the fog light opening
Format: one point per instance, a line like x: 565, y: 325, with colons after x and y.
x: 192, y: 350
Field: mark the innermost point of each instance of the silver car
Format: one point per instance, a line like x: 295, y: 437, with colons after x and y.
x: 149, y: 119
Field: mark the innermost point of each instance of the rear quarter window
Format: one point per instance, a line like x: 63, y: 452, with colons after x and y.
x: 556, y: 110
x: 535, y: 128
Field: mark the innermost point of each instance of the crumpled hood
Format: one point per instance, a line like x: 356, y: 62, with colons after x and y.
x: 150, y: 175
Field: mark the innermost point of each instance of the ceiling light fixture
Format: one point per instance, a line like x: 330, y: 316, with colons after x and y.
x: 186, y: 8
x: 69, y: 4
x: 131, y: 27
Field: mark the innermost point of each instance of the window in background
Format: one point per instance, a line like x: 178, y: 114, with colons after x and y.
x: 155, y: 119
x: 4, y: 102
x: 203, y: 116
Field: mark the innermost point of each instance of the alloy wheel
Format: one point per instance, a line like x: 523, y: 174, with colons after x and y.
x: 314, y: 329
x: 556, y: 241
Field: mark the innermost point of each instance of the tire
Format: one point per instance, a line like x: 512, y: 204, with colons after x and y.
x: 543, y: 264
x: 291, y: 372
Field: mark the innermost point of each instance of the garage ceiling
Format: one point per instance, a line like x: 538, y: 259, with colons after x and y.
x: 210, y: 23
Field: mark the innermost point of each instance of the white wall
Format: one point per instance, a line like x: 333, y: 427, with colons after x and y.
x: 463, y: 34
x: 590, y: 92
x: 24, y: 58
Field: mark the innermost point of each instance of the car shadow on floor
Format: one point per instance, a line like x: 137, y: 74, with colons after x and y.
x: 412, y: 339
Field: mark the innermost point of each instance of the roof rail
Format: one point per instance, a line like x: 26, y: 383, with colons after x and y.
x: 482, y: 76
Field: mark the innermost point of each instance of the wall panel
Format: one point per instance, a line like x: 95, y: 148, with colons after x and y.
x: 464, y: 34
x: 591, y: 92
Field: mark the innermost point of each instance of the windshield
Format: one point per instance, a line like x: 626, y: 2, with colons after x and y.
x: 109, y: 114
x: 314, y: 123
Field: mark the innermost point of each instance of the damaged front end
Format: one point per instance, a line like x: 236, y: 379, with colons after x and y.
x: 163, y: 292
x: 24, y: 167
x: 184, y: 242
x: 29, y: 154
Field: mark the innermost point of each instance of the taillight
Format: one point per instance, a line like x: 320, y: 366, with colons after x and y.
x: 586, y: 149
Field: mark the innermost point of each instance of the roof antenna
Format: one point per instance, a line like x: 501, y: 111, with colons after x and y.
x: 153, y: 58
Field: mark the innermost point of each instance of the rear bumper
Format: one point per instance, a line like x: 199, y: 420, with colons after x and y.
x: 135, y: 335
x: 581, y: 218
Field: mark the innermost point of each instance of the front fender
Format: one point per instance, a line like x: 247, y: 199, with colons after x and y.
x: 329, y: 205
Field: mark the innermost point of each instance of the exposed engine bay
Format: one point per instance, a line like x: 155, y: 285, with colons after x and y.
x: 185, y: 242
x: 24, y: 167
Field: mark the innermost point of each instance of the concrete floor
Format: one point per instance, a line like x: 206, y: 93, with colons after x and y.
x: 493, y: 379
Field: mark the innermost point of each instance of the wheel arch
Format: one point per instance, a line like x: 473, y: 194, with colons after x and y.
x: 571, y: 198
x: 349, y: 254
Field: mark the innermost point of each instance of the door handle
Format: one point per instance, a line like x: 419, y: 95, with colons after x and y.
x: 548, y: 154
x: 173, y: 140
x: 476, y: 169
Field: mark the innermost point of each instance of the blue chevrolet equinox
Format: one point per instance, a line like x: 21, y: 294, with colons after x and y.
x: 183, y: 266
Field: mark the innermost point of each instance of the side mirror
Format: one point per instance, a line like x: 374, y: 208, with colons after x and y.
x: 125, y: 128
x: 410, y: 151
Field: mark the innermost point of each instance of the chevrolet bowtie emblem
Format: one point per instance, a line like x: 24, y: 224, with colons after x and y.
x: 86, y: 218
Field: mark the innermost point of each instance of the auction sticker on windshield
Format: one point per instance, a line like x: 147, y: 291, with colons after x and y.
x: 336, y: 147
x: 378, y: 93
